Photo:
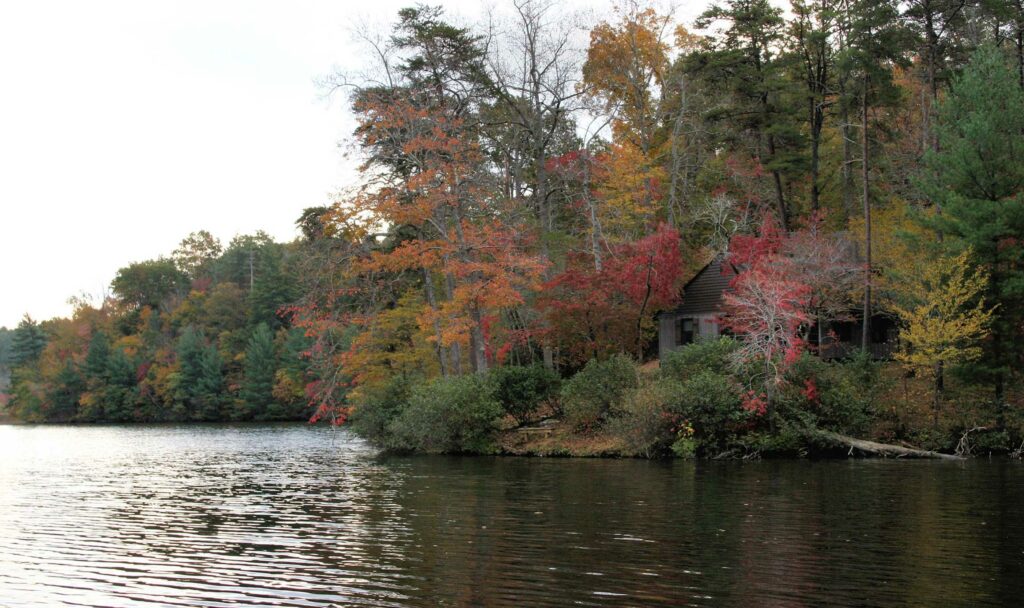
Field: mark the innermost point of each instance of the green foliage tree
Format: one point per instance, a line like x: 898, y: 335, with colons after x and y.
x: 257, y: 393
x: 28, y: 342
x: 977, y: 181
x: 119, y: 395
x: 64, y: 394
x: 745, y: 60
x: 151, y: 283
x: 197, y: 253
x: 199, y: 381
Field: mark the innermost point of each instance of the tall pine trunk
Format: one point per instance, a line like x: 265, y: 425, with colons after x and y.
x: 865, y: 167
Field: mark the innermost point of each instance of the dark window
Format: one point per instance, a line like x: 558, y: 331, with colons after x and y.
x: 684, y: 331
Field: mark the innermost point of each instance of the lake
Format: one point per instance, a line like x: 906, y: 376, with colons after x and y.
x: 291, y: 515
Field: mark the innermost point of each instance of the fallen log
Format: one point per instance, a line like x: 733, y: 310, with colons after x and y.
x: 885, y: 450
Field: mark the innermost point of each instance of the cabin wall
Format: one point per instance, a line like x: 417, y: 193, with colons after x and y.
x: 705, y: 327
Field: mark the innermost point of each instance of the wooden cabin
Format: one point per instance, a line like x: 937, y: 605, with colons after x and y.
x: 698, y: 317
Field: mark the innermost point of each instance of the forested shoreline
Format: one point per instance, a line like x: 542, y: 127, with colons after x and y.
x: 535, y: 191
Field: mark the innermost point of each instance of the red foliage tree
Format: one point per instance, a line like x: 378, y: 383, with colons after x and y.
x: 595, y: 312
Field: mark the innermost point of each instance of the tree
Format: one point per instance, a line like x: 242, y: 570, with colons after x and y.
x: 197, y: 253
x: 977, y: 179
x: 943, y: 317
x: 198, y: 381
x: 151, y: 283
x: 257, y: 393
x: 626, y: 68
x: 27, y: 343
x: 596, y: 313
x: 766, y: 305
x: 873, y: 44
x: 811, y: 35
x: 745, y: 60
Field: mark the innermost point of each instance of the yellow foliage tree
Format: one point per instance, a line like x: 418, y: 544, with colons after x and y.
x: 942, y: 315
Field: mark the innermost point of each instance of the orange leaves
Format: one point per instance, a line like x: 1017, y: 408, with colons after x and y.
x: 625, y: 64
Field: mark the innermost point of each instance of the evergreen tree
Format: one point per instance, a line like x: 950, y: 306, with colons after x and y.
x: 745, y: 62
x: 258, y: 377
x: 65, y: 392
x: 95, y: 366
x: 120, y: 393
x: 28, y: 342
x: 209, y: 393
x: 977, y: 179
x: 191, y: 352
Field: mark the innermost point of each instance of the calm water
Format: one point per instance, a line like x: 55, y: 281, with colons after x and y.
x: 298, y: 516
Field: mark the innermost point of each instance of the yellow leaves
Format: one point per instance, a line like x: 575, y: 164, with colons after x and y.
x: 894, y: 255
x: 942, y: 314
x: 625, y: 62
x: 393, y: 342
x: 630, y: 191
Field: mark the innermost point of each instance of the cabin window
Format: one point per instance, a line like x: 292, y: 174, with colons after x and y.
x: 685, y: 332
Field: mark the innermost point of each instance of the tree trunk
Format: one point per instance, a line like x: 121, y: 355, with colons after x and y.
x: 865, y: 167
x: 847, y: 172
x: 884, y: 450
x: 456, y: 348
x: 442, y: 356
x: 780, y: 197
x: 477, y: 342
x: 643, y: 309
x: 816, y: 124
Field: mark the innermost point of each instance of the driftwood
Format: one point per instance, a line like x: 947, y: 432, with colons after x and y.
x: 884, y: 450
x: 963, y: 447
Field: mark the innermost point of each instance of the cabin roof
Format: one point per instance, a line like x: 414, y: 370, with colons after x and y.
x: 703, y: 293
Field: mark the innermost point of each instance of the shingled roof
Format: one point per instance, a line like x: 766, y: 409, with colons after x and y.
x: 703, y: 293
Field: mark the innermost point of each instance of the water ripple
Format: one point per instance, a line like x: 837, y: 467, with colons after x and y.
x: 289, y: 515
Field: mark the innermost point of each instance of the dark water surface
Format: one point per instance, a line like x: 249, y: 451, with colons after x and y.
x: 299, y: 516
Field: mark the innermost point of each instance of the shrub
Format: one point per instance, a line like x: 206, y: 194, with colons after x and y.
x: 710, y: 403
x: 588, y: 396
x: 646, y: 421
x: 448, y: 415
x: 520, y: 389
x: 839, y: 396
x: 713, y: 355
x: 372, y: 416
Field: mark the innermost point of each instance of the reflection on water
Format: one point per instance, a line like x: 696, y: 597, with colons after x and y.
x: 298, y: 516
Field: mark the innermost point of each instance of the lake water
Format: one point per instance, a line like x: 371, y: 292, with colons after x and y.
x: 291, y: 515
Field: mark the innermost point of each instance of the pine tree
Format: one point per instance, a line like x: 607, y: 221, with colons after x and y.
x: 28, y: 342
x: 64, y: 394
x: 258, y: 377
x: 199, y: 380
x: 120, y: 394
x: 744, y: 61
x: 977, y: 180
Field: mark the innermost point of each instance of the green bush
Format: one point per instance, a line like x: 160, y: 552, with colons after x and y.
x: 710, y: 403
x: 448, y: 415
x: 521, y: 389
x: 588, y: 396
x: 713, y: 355
x: 372, y: 416
x: 839, y: 396
x: 646, y: 421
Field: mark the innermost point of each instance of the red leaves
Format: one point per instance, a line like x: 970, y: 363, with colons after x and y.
x: 594, y: 312
x: 755, y: 403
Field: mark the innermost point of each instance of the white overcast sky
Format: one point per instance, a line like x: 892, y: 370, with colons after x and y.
x: 126, y: 125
